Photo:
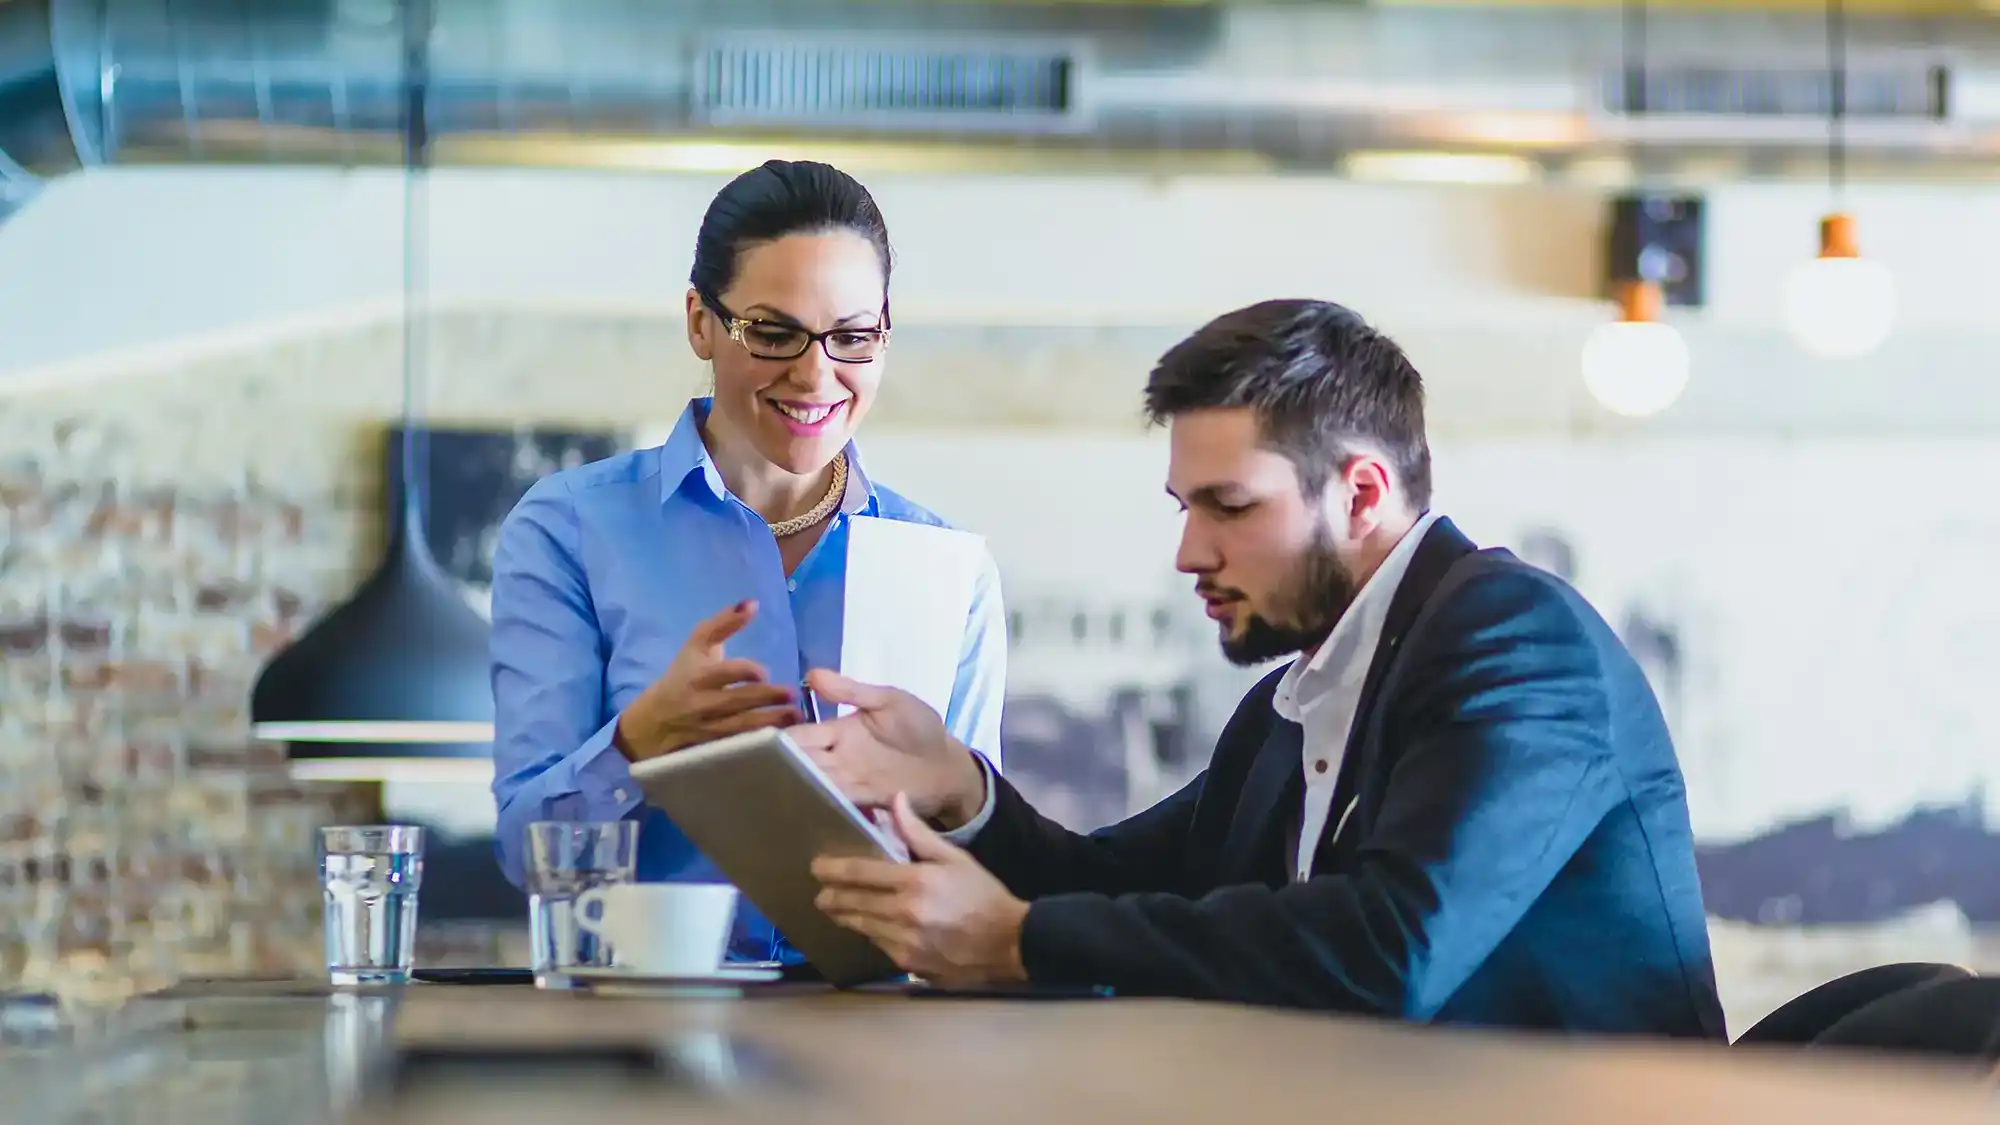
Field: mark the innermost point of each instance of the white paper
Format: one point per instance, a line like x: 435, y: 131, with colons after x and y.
x: 909, y: 594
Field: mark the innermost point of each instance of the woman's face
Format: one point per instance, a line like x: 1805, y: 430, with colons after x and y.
x: 798, y: 412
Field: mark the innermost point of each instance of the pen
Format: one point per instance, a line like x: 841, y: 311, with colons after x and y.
x: 809, y: 703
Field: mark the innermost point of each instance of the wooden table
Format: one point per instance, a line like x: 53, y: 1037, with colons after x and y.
x: 884, y: 1059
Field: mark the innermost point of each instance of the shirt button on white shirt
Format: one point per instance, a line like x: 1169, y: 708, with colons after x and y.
x: 1319, y: 766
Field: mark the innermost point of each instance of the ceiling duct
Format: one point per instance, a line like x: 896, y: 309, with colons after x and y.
x: 1915, y: 90
x: 866, y: 84
x: 91, y: 82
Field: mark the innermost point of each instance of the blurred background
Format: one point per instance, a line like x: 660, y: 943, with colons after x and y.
x: 1596, y: 227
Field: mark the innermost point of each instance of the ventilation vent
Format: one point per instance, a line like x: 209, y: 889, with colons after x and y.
x: 1908, y: 92
x: 871, y: 85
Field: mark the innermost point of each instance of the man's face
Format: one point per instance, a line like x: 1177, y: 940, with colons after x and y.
x: 1266, y: 557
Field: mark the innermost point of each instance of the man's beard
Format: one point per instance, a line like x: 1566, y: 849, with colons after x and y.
x: 1303, y: 610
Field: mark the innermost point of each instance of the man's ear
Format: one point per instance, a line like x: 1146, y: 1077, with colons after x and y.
x: 1359, y: 494
x: 699, y: 321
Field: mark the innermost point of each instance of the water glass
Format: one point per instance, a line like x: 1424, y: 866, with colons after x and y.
x: 565, y: 859
x: 371, y: 875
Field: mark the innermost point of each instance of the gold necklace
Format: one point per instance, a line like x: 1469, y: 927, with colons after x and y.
x: 836, y: 491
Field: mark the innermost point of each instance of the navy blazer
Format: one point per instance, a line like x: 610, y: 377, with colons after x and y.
x: 1518, y: 853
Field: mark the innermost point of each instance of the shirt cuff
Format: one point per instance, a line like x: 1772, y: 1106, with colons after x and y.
x: 602, y: 777
x: 965, y: 833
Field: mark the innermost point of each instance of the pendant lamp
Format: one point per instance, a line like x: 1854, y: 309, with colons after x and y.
x: 1838, y: 305
x: 393, y: 683
x: 1636, y: 365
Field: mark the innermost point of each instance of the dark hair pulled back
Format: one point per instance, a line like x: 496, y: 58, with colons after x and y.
x: 775, y: 199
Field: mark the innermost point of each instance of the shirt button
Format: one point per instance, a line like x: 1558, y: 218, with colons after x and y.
x: 1319, y: 766
x: 617, y: 794
x: 792, y: 585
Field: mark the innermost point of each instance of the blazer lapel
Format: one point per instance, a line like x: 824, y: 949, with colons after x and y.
x: 1247, y: 852
x: 1442, y: 546
x: 1254, y: 846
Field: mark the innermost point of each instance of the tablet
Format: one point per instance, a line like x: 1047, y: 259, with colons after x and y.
x: 760, y: 809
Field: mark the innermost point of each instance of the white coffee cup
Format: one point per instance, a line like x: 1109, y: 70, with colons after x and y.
x: 665, y: 929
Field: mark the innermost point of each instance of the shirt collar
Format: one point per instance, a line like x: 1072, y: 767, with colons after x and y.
x: 684, y: 459
x: 1343, y: 658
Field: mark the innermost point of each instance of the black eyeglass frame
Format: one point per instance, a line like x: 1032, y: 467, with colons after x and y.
x: 736, y: 325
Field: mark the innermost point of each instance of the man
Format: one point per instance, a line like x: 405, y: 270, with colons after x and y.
x: 1458, y: 804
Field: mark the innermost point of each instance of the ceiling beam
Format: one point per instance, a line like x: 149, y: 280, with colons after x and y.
x: 1914, y: 8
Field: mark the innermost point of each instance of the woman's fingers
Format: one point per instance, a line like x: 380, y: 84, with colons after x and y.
x: 723, y: 673
x: 715, y: 703
x: 755, y: 719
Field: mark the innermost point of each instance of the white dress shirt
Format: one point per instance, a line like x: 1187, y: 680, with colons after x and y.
x: 965, y: 833
x: 1321, y: 693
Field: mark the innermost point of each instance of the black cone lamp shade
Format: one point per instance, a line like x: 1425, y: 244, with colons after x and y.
x: 393, y: 683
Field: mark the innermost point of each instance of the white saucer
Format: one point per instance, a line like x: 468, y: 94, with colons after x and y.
x: 722, y: 978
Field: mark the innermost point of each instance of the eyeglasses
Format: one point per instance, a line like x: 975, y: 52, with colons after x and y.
x: 768, y: 339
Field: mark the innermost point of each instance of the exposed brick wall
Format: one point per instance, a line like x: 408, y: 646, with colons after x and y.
x: 142, y: 834
x: 167, y: 530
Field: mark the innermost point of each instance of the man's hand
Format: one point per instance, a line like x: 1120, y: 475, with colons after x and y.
x: 942, y: 916
x: 892, y: 743
x: 704, y: 695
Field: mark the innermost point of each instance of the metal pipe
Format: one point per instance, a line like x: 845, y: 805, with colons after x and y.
x: 96, y: 82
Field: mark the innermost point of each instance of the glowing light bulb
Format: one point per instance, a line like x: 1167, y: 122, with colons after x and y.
x: 1635, y: 365
x: 1840, y: 308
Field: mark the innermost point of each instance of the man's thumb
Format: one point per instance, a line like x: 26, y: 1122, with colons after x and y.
x: 836, y: 688
x: 924, y: 841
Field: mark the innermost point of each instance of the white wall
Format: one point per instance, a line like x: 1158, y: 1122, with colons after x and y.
x: 1490, y: 288
x: 1835, y: 601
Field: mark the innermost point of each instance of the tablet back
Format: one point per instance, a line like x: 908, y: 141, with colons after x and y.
x: 760, y: 810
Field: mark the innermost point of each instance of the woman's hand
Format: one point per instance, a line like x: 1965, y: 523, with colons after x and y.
x: 704, y: 695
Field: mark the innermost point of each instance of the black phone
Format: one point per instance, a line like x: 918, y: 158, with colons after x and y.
x: 693, y: 1062
x: 1013, y: 992
x: 465, y: 1064
x: 481, y: 974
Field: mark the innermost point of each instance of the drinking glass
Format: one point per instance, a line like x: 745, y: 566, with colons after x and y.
x: 566, y: 858
x: 371, y: 875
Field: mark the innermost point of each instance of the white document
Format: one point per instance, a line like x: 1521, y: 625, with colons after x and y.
x: 909, y: 593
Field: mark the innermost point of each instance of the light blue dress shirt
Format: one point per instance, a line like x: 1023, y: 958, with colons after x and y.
x: 600, y: 574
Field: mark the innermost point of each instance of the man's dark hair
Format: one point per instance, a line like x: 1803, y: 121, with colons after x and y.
x: 1319, y: 380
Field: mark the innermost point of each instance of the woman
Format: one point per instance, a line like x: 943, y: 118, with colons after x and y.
x: 618, y: 585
